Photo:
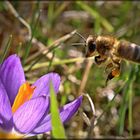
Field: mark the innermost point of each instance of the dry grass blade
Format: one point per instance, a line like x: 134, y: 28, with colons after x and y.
x: 85, y: 76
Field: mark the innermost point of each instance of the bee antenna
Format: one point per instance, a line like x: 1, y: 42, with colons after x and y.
x: 78, y: 44
x: 80, y: 36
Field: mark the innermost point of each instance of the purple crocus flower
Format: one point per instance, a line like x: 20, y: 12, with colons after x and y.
x: 24, y: 108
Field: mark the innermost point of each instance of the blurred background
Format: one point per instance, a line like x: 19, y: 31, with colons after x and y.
x: 42, y: 34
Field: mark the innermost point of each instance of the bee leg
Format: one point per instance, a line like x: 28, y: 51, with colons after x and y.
x: 116, y: 61
x: 114, y: 73
x: 99, y: 59
x: 109, y: 66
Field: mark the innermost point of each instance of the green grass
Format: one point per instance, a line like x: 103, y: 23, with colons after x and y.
x: 58, y: 131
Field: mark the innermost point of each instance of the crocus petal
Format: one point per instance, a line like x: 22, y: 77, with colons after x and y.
x: 12, y: 76
x: 65, y: 114
x: 1, y: 121
x: 43, y: 84
x: 5, y: 109
x: 29, y: 114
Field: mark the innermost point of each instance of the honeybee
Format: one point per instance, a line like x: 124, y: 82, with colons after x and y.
x: 111, y: 50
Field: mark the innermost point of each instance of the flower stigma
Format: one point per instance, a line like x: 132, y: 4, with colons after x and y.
x: 24, y: 94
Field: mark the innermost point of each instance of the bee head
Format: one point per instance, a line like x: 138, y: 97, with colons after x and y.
x: 89, y: 43
x: 90, y: 46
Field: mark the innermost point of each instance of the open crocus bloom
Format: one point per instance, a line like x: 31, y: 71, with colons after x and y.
x: 24, y: 108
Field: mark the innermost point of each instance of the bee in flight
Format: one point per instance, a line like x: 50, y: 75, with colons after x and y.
x: 109, y: 49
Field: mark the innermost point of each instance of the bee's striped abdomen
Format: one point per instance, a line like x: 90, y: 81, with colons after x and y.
x: 129, y: 51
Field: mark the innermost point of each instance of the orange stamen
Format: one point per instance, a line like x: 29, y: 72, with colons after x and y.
x: 4, y: 135
x: 24, y: 94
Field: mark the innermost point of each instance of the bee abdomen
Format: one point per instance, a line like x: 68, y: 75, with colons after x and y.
x: 129, y: 51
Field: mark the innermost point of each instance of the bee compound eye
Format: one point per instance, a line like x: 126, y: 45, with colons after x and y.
x: 92, y: 47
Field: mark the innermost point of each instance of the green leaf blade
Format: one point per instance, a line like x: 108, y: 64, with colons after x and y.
x: 57, y: 126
